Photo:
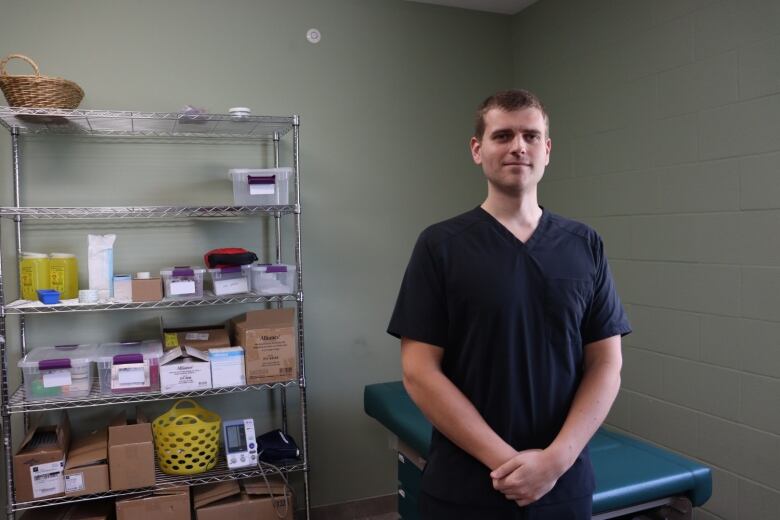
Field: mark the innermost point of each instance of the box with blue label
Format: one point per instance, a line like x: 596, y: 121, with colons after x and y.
x: 227, y: 366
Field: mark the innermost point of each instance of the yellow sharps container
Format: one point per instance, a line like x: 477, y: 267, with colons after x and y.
x: 34, y: 274
x: 64, y: 274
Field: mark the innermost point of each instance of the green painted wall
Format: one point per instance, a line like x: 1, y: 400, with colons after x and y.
x: 665, y: 139
x: 385, y: 100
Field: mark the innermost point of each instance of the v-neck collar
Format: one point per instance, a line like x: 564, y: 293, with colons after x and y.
x: 509, y: 235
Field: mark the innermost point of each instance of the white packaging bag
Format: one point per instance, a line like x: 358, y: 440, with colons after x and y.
x: 101, y: 265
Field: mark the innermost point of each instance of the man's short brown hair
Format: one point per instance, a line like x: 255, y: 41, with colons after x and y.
x: 508, y: 100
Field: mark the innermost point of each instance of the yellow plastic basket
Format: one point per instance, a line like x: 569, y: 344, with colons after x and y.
x: 186, y: 439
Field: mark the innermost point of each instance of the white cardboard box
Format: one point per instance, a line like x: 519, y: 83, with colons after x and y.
x: 227, y: 366
x: 184, y: 369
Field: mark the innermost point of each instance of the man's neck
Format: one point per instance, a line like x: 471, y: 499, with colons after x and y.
x: 520, y: 215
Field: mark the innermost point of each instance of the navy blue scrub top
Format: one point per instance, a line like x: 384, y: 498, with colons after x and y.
x: 512, y: 318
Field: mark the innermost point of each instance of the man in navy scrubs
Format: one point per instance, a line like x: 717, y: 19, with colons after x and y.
x: 510, y: 331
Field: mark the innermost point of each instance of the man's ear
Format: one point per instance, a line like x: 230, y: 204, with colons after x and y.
x: 476, y: 150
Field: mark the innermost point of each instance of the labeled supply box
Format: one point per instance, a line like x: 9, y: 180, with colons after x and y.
x: 184, y: 369
x: 268, y: 338
x: 227, y: 367
x: 86, y: 469
x: 261, y: 187
x: 61, y: 371
x: 201, y: 338
x: 183, y: 282
x: 130, y: 453
x: 229, y: 280
x: 39, y: 464
x: 273, y: 279
x: 132, y: 366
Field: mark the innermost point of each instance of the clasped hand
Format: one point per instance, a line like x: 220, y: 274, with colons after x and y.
x: 526, y: 477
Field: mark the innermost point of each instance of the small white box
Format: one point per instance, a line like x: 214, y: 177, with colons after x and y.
x: 261, y: 187
x: 123, y: 288
x: 184, y: 369
x: 227, y: 367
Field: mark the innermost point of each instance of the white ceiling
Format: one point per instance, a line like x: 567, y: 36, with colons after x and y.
x: 492, y: 6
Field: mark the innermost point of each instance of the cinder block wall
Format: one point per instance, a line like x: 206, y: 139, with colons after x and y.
x: 666, y: 133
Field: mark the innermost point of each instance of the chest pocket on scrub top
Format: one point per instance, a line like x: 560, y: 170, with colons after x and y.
x: 566, y: 301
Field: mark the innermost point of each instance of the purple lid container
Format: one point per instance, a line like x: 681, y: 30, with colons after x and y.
x: 261, y: 179
x: 125, y: 359
x: 51, y: 364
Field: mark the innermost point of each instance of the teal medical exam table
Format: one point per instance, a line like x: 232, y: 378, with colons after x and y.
x: 633, y: 478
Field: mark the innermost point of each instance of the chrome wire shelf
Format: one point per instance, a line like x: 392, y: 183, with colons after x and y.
x: 20, y: 404
x: 142, y: 212
x: 28, y: 307
x: 119, y: 123
x: 220, y: 473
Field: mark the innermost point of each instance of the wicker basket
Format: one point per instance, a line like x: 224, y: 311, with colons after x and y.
x: 38, y: 91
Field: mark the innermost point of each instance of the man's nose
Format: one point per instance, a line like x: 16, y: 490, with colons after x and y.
x: 518, y: 145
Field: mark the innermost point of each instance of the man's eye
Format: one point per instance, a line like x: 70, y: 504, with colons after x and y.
x: 532, y: 138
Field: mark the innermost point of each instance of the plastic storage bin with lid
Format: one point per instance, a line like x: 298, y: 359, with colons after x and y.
x: 230, y: 280
x: 273, y: 279
x: 183, y: 282
x: 62, y: 371
x: 262, y: 187
x: 132, y: 366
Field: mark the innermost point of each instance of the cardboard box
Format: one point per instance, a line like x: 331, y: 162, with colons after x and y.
x: 147, y: 290
x: 201, y: 338
x: 172, y: 505
x: 259, y: 486
x: 86, y: 468
x: 227, y: 367
x: 268, y: 338
x: 184, y: 369
x: 130, y: 454
x: 257, y: 507
x: 39, y: 464
x: 209, y: 493
x: 92, y: 510
x: 46, y: 513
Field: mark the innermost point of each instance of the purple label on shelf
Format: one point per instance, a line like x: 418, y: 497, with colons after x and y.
x: 50, y: 364
x: 183, y: 271
x: 231, y: 269
x: 276, y: 269
x: 124, y: 359
x: 261, y: 179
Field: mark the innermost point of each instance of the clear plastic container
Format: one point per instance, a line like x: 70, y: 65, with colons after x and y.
x: 60, y: 371
x: 273, y: 279
x: 182, y: 282
x: 229, y: 280
x: 129, y: 367
x: 266, y: 187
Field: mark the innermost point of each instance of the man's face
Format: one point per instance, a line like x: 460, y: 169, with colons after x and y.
x: 514, y: 150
